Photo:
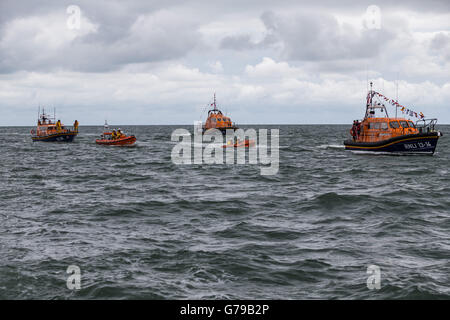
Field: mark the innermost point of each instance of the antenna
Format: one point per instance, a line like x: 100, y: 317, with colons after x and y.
x: 367, y: 78
x: 396, y: 99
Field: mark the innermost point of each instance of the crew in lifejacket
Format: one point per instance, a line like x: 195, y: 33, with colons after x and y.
x: 119, y: 134
x: 75, y: 125
x: 58, y: 125
x: 353, y: 130
x: 113, y: 134
x: 358, y: 129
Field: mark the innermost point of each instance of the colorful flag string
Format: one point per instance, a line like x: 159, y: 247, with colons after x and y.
x: 404, y: 109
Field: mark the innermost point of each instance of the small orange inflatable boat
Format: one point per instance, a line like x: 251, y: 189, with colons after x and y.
x: 123, y: 141
x: 113, y: 138
x: 245, y: 144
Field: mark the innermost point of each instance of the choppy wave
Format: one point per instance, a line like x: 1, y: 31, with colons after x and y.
x: 139, y: 226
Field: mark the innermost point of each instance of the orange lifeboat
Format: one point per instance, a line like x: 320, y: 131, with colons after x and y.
x: 396, y: 135
x: 217, y: 120
x: 115, y: 138
x: 49, y: 130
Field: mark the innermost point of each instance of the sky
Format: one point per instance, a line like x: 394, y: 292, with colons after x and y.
x: 269, y: 62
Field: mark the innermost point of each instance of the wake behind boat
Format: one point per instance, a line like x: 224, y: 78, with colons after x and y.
x: 48, y: 130
x: 392, y: 135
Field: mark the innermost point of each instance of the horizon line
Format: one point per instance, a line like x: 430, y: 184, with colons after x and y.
x: 244, y: 124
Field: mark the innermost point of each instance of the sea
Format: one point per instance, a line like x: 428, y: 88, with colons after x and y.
x: 85, y: 221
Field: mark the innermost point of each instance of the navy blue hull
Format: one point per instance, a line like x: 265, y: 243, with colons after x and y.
x: 418, y: 143
x: 58, y: 137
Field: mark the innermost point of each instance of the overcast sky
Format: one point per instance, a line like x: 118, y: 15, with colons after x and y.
x: 159, y: 62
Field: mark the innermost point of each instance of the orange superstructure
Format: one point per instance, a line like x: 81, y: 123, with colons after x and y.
x: 379, y: 129
x: 217, y: 120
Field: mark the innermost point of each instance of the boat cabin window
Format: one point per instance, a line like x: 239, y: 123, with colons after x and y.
x: 378, y: 125
x: 394, y: 124
x: 404, y: 124
x: 411, y: 124
x: 220, y: 119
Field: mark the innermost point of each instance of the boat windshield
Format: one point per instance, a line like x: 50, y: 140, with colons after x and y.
x: 394, y: 125
x: 411, y: 124
x: 404, y: 124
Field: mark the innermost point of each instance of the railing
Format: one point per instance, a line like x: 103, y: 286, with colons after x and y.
x: 426, y: 125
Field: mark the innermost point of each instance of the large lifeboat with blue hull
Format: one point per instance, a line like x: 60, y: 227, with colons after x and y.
x: 49, y: 130
x: 392, y: 135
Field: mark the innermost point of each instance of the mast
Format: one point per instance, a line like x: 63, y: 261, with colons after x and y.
x: 369, y: 101
x: 215, y: 107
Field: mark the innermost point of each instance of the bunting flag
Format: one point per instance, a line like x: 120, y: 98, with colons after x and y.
x: 404, y: 110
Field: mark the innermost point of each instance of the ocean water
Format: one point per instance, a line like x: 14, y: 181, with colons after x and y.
x: 140, y: 227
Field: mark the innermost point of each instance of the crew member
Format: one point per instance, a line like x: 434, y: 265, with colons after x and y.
x: 113, y: 134
x: 75, y: 125
x: 58, y: 125
x: 353, y: 130
x: 358, y: 129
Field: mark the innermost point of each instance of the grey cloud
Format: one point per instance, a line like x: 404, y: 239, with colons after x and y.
x: 124, y: 36
x: 313, y: 36
x: 244, y: 42
x: 317, y: 36
x: 238, y: 42
x: 440, y: 45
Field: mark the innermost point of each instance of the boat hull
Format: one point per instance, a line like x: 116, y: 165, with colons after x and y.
x: 222, y: 130
x: 127, y: 141
x: 56, y: 137
x: 422, y: 143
